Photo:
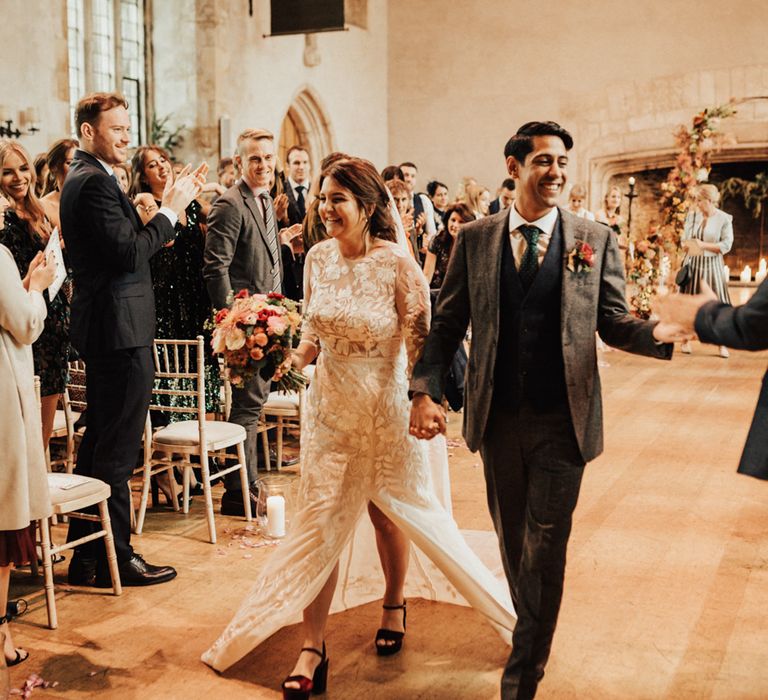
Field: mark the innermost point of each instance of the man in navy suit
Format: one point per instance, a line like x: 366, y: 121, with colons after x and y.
x: 113, y: 321
x: 742, y: 328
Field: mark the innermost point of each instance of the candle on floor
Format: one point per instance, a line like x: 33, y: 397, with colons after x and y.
x: 746, y: 274
x: 760, y: 276
x: 275, y: 516
x: 726, y: 273
x: 763, y: 266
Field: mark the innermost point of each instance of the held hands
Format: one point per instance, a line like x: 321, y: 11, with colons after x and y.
x: 680, y: 310
x: 427, y: 418
x: 178, y: 194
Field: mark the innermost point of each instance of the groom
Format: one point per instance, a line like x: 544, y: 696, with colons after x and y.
x: 535, y: 283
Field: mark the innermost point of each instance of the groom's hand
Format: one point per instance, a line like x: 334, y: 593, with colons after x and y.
x: 427, y: 417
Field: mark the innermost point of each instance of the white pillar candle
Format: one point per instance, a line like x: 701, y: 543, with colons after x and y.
x: 275, y: 516
x: 760, y: 276
x: 763, y: 267
x: 726, y: 273
x: 746, y: 274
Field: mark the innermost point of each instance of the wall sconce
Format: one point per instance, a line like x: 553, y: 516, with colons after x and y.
x: 30, y: 119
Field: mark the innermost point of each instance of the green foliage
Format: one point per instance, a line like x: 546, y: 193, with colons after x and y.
x: 754, y: 193
x: 162, y: 134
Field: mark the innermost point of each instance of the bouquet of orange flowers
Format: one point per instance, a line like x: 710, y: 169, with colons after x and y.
x: 256, y: 335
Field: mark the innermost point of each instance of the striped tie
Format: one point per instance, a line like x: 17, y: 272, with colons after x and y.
x: 274, y: 250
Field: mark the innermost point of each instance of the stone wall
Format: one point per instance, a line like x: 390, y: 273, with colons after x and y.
x: 620, y: 76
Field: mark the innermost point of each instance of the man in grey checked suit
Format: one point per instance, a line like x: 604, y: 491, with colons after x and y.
x: 242, y: 252
x: 535, y: 283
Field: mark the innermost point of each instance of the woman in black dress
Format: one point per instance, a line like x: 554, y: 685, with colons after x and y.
x: 439, y: 252
x: 26, y: 232
x: 181, y: 299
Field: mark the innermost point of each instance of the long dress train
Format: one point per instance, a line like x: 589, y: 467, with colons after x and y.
x: 371, y: 317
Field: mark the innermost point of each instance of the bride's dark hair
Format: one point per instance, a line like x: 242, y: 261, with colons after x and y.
x: 360, y: 177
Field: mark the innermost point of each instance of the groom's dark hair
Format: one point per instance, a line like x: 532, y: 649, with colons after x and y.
x: 521, y: 144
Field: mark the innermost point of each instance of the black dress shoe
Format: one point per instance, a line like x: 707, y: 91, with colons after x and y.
x: 82, y: 571
x: 136, y: 572
x: 232, y: 502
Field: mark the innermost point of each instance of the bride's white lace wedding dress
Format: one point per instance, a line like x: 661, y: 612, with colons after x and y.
x: 370, y: 317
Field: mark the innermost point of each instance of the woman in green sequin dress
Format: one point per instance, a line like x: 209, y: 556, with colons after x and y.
x: 181, y: 300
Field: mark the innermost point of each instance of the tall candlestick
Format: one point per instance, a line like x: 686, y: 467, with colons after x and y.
x: 275, y: 516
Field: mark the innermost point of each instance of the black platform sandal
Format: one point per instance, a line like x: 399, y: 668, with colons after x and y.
x: 385, y: 635
x: 21, y: 655
x: 315, y: 685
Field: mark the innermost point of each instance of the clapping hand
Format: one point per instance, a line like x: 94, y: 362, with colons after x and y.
x: 680, y: 309
x: 421, y: 219
x: 291, y: 236
x: 4, y: 204
x: 40, y: 274
x: 178, y: 194
x: 427, y: 418
x: 281, y: 207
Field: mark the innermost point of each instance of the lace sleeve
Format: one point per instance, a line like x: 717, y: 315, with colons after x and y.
x: 308, y: 334
x: 413, y: 308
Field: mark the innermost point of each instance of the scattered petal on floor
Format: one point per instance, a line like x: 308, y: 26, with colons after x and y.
x: 32, y: 682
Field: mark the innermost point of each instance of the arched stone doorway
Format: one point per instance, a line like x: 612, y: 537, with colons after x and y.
x: 306, y: 123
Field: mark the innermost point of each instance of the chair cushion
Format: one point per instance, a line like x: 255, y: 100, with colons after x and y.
x: 60, y: 421
x: 282, y: 402
x: 186, y: 433
x: 73, y: 487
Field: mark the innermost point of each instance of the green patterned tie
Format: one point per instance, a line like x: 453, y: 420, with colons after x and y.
x: 529, y: 265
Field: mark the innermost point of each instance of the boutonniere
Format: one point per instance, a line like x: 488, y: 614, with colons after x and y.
x: 581, y: 258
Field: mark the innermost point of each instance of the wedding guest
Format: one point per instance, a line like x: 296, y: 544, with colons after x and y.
x: 367, y: 307
x: 438, y: 193
x: 26, y: 233
x: 423, y: 211
x: 24, y: 483
x: 402, y: 198
x: 41, y: 173
x: 242, y: 251
x: 113, y: 323
x: 225, y: 172
x: 392, y: 172
x: 533, y: 404
x: 123, y: 175
x: 440, y: 249
x: 182, y: 305
x: 742, y: 328
x: 611, y: 216
x: 478, y: 200
x: 461, y: 190
x: 576, y: 199
x: 297, y: 185
x: 707, y: 237
x: 504, y: 198
x: 59, y: 158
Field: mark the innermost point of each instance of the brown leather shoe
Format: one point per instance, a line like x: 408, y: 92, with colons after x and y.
x: 232, y: 502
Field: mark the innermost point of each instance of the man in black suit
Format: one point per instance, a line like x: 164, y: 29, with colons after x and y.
x: 742, y: 328
x: 505, y: 198
x: 113, y: 322
x: 296, y: 193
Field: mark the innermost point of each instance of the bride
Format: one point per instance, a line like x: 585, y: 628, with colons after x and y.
x: 367, y: 305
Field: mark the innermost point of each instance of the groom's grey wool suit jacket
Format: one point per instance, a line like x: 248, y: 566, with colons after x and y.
x: 590, y: 301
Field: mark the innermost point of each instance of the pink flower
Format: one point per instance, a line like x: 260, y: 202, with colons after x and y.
x: 257, y: 353
x: 276, y: 325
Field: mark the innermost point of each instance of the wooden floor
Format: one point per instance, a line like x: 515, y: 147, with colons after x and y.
x: 666, y: 588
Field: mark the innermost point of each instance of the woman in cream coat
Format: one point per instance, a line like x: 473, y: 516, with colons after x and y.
x: 707, y: 237
x: 23, y: 482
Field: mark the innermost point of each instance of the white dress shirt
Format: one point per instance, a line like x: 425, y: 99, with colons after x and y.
x: 546, y: 224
